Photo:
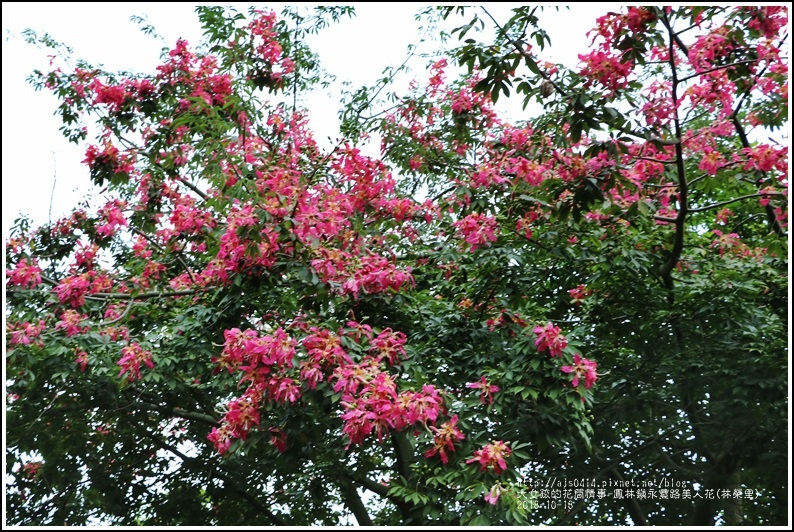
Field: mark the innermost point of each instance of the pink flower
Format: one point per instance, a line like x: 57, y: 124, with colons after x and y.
x: 82, y: 360
x: 494, y: 493
x: 486, y: 390
x: 221, y: 438
x: 492, y: 455
x: 389, y: 345
x: 132, y: 357
x: 549, y: 339
x: 477, y: 229
x: 278, y: 438
x: 606, y: 69
x: 711, y: 162
x: 70, y: 321
x: 26, y: 274
x: 582, y: 368
x: 242, y: 416
x: 32, y: 469
x: 113, y: 217
x: 72, y: 290
x: 444, y: 439
x: 24, y: 333
x: 579, y: 293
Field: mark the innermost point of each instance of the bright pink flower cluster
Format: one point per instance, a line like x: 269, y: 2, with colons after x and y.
x: 710, y: 48
x: 108, y: 158
x: 265, y: 363
x: 241, y: 416
x: 549, y: 338
x: 582, y: 369
x: 114, y: 96
x: 486, y: 389
x: 712, y: 161
x: 768, y: 19
x: 531, y: 172
x: 26, y: 274
x: 444, y: 439
x: 189, y: 219
x: 379, y: 407
x: 70, y: 321
x: 72, y: 290
x: 766, y: 158
x: 492, y: 456
x: 132, y: 357
x: 612, y: 26
x: 113, y: 218
x: 325, y: 348
x: 389, y: 345
x: 725, y: 242
x: 266, y: 46
x: 606, y: 69
x: 82, y: 360
x: 24, y: 333
x: 351, y: 275
x: 477, y: 229
x: 247, y: 350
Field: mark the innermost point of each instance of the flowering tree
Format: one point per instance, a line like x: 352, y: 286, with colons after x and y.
x: 250, y: 329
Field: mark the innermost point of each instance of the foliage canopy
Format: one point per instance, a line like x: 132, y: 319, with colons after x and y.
x: 250, y: 329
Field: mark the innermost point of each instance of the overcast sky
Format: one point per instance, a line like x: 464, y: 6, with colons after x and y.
x: 39, y: 163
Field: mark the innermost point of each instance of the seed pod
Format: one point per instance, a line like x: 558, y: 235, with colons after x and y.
x: 546, y: 88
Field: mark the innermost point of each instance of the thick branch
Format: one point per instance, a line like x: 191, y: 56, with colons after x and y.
x: 665, y: 219
x: 230, y: 484
x: 101, y: 296
x: 178, y: 412
x: 194, y: 188
x: 402, y: 453
x: 678, y: 244
x: 353, y: 502
x: 374, y: 487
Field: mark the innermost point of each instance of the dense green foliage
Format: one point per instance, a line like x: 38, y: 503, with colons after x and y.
x: 252, y: 330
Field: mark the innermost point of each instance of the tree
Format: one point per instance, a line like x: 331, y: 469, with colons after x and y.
x: 250, y: 329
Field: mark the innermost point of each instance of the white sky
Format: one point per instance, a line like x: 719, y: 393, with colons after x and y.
x: 36, y: 156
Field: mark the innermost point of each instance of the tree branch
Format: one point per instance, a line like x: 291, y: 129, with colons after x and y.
x: 678, y: 244
x: 178, y: 412
x: 231, y: 485
x: 696, y: 74
x: 734, y: 200
x: 770, y: 212
x: 353, y: 502
x: 101, y: 296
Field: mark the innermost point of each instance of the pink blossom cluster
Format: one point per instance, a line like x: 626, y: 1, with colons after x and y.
x: 24, y: 333
x: 370, y: 273
x: 445, y: 436
x: 582, y: 369
x: 486, y: 389
x: 132, y: 357
x: 606, y: 69
x: 70, y: 322
x: 379, y: 407
x: 492, y: 456
x: 113, y: 217
x: 26, y: 274
x: 550, y: 338
x: 477, y: 230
